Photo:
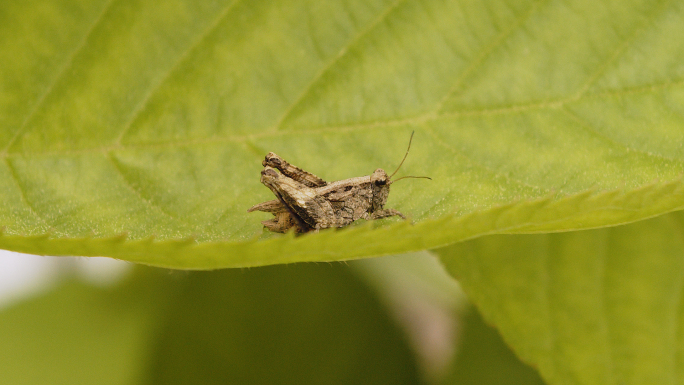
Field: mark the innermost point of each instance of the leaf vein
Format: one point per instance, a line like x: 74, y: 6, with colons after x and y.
x: 144, y: 102
x: 484, y: 53
x: 60, y: 74
x: 621, y: 48
x: 22, y: 192
x: 416, y: 120
x: 455, y: 151
x: 148, y: 202
x: 587, y: 126
x: 335, y: 59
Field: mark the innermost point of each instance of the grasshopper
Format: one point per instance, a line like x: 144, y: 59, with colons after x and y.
x: 306, y: 202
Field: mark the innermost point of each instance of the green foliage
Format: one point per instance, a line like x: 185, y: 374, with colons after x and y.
x: 136, y: 131
x: 587, y: 307
x: 313, y: 324
x: 79, y: 333
x: 484, y: 359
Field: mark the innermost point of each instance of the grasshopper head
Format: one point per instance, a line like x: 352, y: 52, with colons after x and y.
x: 269, y: 176
x: 272, y: 160
x: 379, y: 177
x: 380, y: 183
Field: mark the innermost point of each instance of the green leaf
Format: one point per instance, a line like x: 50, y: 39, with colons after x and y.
x: 80, y: 334
x: 484, y: 359
x: 311, y: 324
x: 136, y: 129
x: 449, y: 336
x: 588, y: 307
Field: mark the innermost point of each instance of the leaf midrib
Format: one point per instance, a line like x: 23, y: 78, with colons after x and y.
x: 556, y: 104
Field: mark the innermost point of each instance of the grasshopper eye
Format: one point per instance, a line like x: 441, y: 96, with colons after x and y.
x: 379, y: 177
x: 272, y: 160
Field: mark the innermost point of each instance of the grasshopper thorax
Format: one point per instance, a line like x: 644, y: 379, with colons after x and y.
x: 380, y: 184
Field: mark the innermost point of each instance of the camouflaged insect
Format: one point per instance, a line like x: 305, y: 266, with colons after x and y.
x: 306, y: 202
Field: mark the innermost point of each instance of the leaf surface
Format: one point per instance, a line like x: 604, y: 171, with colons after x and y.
x: 586, y: 307
x: 483, y: 358
x: 136, y: 129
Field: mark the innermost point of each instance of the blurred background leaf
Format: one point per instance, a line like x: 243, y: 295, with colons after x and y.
x: 483, y: 358
x: 586, y: 307
x: 290, y: 324
x: 314, y: 324
x: 81, y: 334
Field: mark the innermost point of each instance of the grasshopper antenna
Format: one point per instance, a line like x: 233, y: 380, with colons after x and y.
x: 402, y: 162
x: 411, y: 176
x: 405, y: 155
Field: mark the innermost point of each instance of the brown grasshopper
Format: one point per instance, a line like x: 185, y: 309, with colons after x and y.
x: 306, y: 202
